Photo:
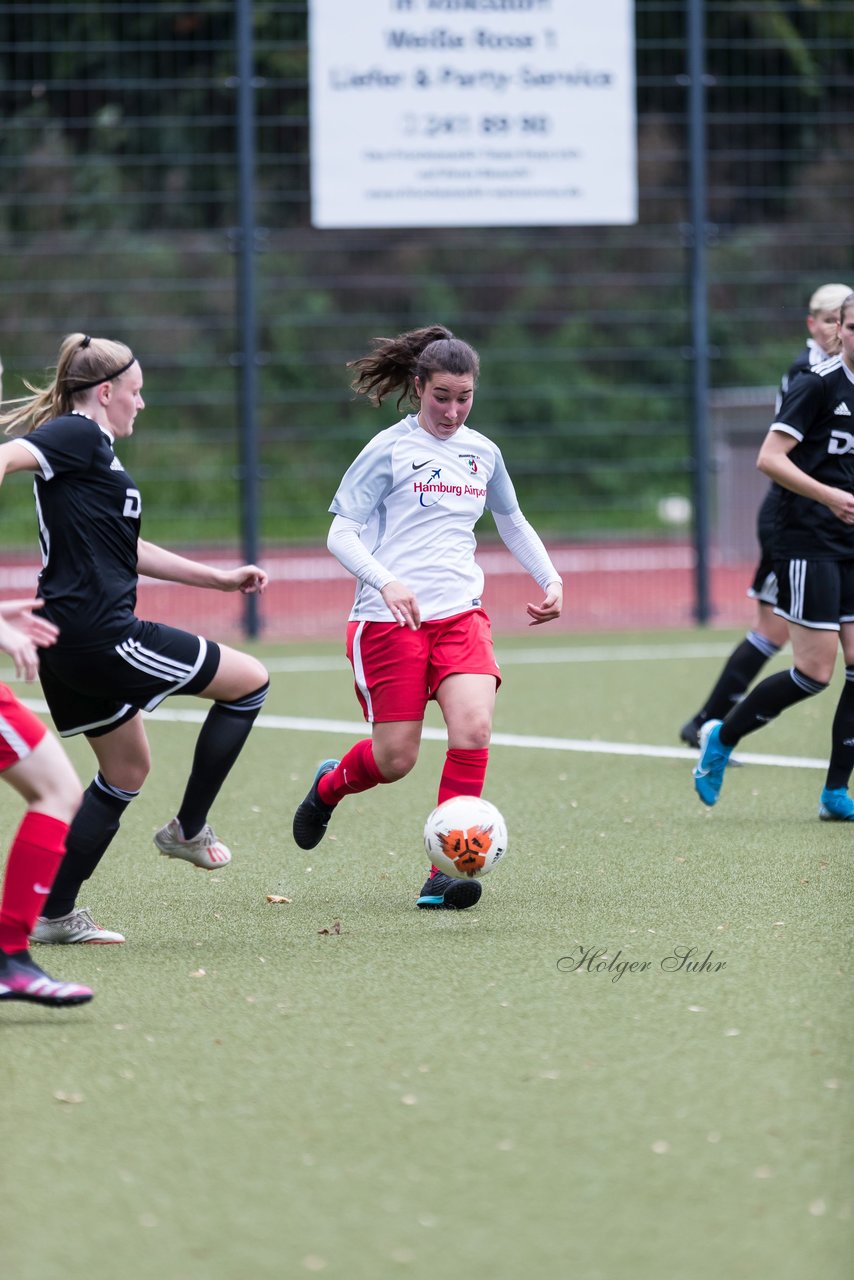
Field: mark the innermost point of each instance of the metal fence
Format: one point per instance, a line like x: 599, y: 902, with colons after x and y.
x: 120, y: 207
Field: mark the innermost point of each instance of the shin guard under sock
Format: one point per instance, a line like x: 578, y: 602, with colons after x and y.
x: 464, y: 773
x: 219, y: 743
x: 766, y: 701
x: 842, y: 737
x: 94, y: 827
x: 740, y: 670
x: 356, y: 772
x: 34, y: 858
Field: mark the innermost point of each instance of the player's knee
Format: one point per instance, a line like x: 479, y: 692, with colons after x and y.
x: 812, y: 681
x: 476, y: 734
x: 395, y: 763
x: 249, y: 703
x: 61, y: 798
x: 257, y: 674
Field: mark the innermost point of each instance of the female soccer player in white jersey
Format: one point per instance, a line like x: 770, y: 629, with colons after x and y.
x: 404, y: 522
x: 809, y: 452
x: 108, y: 665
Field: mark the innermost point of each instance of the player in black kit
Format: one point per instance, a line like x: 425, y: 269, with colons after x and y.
x: 809, y: 452
x: 108, y: 665
x: 769, y: 634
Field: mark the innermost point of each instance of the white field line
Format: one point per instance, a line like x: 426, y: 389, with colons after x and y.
x: 538, y: 657
x: 528, y: 742
x: 514, y: 657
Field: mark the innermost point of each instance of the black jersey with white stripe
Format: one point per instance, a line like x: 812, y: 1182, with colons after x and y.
x: 89, y: 513
x: 818, y: 411
x: 810, y: 355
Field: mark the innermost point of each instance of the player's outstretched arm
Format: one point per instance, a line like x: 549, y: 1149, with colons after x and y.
x: 168, y: 566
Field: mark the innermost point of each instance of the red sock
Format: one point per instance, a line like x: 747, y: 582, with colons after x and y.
x: 463, y: 775
x: 34, y: 859
x: 357, y: 772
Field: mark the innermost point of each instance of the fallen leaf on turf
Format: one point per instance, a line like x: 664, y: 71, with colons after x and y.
x: 335, y: 927
x: 69, y: 1097
x: 197, y: 973
x: 277, y: 897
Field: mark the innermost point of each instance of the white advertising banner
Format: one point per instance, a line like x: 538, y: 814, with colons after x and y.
x: 463, y: 113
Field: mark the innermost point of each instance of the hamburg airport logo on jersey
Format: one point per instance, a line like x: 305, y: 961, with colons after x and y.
x: 433, y: 489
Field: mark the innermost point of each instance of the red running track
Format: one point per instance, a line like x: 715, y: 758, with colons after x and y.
x: 608, y: 587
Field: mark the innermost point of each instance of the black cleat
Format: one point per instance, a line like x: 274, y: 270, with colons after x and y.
x: 312, y: 816
x: 22, y: 979
x: 444, y: 891
x: 690, y: 734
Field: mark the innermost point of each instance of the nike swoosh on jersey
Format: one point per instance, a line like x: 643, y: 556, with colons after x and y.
x: 417, y: 466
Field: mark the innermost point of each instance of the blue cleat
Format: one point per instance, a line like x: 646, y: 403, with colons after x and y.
x: 312, y: 816
x: 836, y: 806
x: 714, y: 758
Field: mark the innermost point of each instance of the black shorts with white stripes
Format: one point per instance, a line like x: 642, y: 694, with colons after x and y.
x: 816, y: 593
x: 764, y: 585
x: 95, y: 691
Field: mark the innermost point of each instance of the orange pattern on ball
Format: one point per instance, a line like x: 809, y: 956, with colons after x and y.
x: 467, y: 848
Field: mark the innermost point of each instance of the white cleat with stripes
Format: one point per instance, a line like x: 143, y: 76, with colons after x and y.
x: 204, y: 850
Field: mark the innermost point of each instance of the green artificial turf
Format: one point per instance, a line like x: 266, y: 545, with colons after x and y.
x: 346, y: 1086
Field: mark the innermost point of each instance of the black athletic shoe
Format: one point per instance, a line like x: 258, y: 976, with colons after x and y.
x: 312, y: 816
x: 22, y: 979
x: 690, y: 734
x: 444, y: 891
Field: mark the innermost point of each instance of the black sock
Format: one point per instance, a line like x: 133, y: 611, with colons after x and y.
x: 842, y: 737
x: 93, y: 828
x: 740, y: 670
x: 219, y: 744
x: 766, y: 701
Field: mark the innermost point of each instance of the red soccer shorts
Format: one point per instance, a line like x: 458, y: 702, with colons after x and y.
x: 397, y: 671
x: 20, y: 730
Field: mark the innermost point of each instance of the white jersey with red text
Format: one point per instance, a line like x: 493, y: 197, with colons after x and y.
x: 418, y: 499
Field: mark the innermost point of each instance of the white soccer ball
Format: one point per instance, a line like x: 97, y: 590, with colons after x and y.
x: 465, y: 837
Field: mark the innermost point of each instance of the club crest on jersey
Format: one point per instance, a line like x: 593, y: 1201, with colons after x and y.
x: 471, y: 460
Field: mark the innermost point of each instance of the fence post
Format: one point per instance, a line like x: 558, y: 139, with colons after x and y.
x: 246, y: 303
x: 699, y: 307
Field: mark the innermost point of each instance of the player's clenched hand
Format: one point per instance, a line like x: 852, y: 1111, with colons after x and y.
x: 841, y: 503
x: 248, y: 578
x: 549, y: 609
x: 402, y: 605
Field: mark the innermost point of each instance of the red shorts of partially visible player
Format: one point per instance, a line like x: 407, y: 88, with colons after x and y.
x: 20, y: 730
x: 398, y: 671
